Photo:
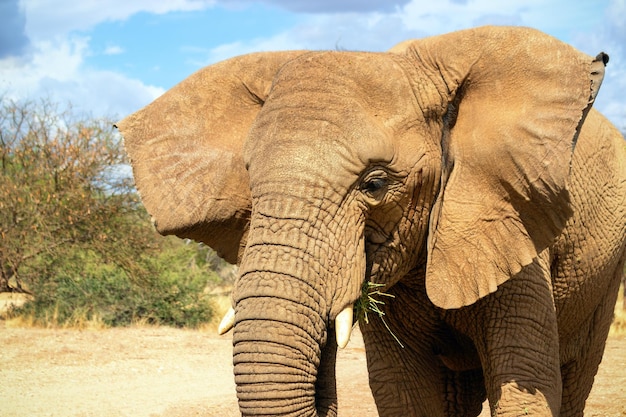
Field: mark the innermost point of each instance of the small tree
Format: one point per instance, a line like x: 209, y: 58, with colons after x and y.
x: 63, y: 186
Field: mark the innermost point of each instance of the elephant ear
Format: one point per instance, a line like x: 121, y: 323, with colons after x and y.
x: 514, y: 101
x: 186, y: 150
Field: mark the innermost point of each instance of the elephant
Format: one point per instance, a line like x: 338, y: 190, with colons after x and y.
x: 464, y: 175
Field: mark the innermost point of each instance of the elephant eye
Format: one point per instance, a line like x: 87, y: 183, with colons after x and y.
x: 374, y: 187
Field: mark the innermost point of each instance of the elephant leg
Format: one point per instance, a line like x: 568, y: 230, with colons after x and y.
x: 515, y: 332
x: 578, y: 373
x: 406, y: 376
x: 405, y: 381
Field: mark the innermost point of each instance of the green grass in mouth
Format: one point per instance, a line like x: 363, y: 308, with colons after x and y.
x: 370, y: 304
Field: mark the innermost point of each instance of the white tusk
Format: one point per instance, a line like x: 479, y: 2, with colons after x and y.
x: 227, y: 322
x: 343, y: 326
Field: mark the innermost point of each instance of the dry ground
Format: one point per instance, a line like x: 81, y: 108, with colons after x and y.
x: 153, y: 372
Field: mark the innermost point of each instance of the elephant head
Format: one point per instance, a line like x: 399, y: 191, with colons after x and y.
x: 319, y: 171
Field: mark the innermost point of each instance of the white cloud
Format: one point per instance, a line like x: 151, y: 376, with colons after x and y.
x: 49, y: 59
x: 54, y: 65
x: 55, y: 69
x: 113, y: 50
x: 378, y: 31
x: 555, y: 16
x: 326, y: 6
x: 51, y: 18
x: 351, y: 31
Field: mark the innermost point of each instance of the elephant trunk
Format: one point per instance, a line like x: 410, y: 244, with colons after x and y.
x: 291, y: 288
x: 279, y: 367
x: 282, y: 353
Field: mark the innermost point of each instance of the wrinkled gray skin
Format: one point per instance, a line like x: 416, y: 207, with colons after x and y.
x: 440, y: 169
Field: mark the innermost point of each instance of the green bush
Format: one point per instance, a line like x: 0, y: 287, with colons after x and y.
x: 74, y: 236
x: 83, y: 288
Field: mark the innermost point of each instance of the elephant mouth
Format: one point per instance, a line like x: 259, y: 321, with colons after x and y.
x: 374, y: 257
x: 378, y: 252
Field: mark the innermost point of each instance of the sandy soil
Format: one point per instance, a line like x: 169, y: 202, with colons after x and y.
x: 155, y: 372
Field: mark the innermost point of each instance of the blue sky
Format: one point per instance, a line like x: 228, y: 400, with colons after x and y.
x: 112, y: 57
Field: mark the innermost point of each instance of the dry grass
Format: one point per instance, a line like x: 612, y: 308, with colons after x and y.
x: 79, y: 320
x: 220, y: 300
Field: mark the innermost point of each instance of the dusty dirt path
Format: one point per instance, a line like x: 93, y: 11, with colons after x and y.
x: 154, y: 372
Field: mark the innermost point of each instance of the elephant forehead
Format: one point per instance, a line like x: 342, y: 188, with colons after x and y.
x: 291, y: 149
x: 333, y: 139
x: 375, y: 81
x: 332, y: 110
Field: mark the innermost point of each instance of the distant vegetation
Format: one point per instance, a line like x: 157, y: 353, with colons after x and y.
x: 74, y: 235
